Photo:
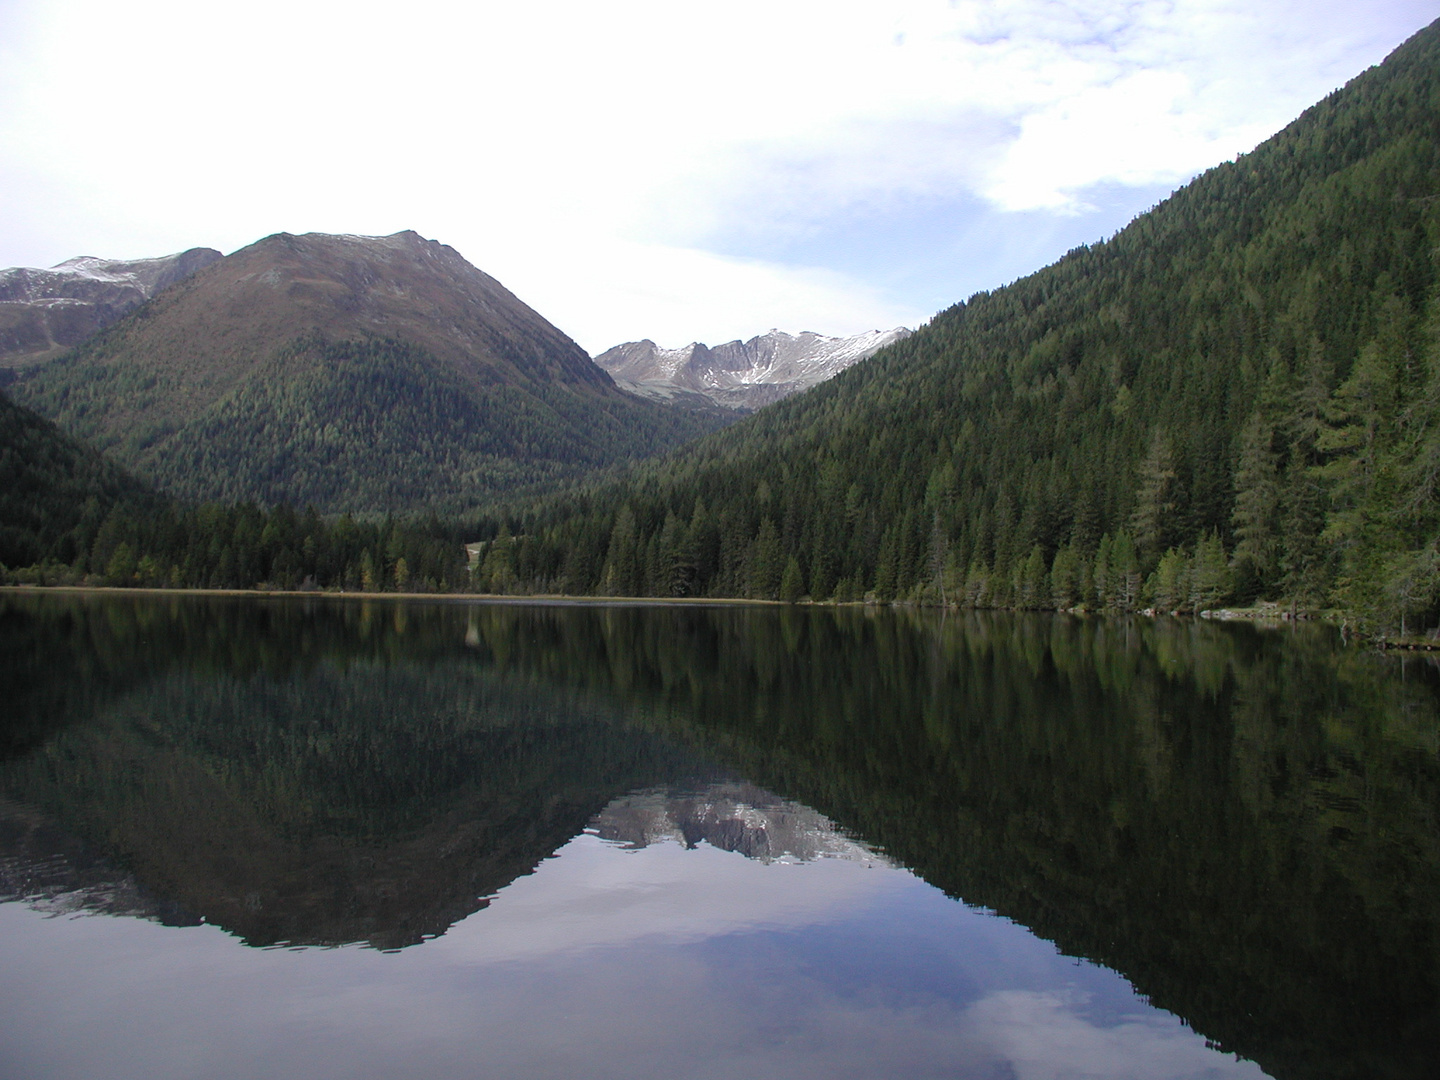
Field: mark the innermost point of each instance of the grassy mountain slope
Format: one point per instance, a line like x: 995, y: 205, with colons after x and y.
x: 1248, y: 363
x: 357, y: 373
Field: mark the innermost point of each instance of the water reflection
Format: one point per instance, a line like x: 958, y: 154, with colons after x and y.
x: 731, y: 817
x: 1241, y: 822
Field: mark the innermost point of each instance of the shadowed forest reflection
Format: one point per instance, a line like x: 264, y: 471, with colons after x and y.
x: 1241, y: 821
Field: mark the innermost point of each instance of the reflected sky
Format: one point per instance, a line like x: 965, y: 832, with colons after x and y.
x: 610, y: 960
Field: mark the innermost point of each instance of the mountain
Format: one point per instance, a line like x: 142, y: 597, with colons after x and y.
x: 351, y: 373
x: 45, y: 312
x: 741, y: 375
x: 1237, y: 394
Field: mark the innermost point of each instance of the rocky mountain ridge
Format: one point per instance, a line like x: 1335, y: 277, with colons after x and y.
x: 45, y: 312
x: 739, y: 375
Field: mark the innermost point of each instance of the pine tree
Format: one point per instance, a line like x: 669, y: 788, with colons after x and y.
x: 623, y: 569
x: 1102, y: 580
x: 495, y: 572
x: 1257, y: 501
x: 791, y: 581
x: 1124, y: 573
x: 1169, y: 586
x: 1034, y: 587
x: 1209, y: 574
x: 1065, y: 583
x: 766, y: 563
x: 1154, y: 498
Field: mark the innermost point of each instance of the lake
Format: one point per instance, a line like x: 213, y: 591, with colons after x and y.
x: 319, y: 837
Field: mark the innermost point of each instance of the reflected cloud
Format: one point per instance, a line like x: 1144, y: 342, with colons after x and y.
x: 1044, y: 1036
x: 595, y: 894
x: 302, y: 773
x: 610, y: 960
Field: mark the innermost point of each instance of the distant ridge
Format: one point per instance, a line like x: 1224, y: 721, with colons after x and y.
x: 360, y: 373
x: 740, y: 375
x: 45, y: 312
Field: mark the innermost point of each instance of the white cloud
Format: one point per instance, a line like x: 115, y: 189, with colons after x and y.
x: 689, y: 295
x: 656, y: 140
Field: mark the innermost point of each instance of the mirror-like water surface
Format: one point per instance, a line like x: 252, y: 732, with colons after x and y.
x: 311, y: 838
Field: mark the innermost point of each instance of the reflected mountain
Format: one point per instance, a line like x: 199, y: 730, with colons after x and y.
x: 1246, y: 823
x: 47, y: 869
x: 331, y: 781
x: 730, y: 816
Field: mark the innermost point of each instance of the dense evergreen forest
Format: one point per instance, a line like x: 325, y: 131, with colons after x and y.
x: 366, y: 425
x: 1235, y: 397
x: 54, y: 491
x: 70, y: 516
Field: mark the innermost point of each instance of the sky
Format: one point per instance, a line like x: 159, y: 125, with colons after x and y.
x: 673, y: 169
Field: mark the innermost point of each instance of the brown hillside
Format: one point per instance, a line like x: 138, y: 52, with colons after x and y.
x: 203, y: 337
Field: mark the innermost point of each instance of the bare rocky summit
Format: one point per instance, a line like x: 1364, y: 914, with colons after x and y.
x: 739, y: 375
x: 45, y: 312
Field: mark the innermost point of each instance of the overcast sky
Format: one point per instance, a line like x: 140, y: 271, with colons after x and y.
x: 675, y: 169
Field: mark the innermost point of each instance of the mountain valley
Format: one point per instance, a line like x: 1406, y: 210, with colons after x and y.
x: 1235, y: 397
x: 1232, y: 399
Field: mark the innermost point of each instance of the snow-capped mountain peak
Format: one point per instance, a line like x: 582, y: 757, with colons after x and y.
x: 741, y: 375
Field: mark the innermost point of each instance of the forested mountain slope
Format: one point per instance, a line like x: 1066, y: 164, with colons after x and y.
x: 55, y: 492
x: 1238, y: 392
x: 351, y: 373
x: 69, y: 515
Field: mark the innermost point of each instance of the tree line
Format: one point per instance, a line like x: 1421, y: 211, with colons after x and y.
x: 243, y: 546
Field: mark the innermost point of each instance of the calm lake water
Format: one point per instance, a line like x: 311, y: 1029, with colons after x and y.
x: 323, y: 838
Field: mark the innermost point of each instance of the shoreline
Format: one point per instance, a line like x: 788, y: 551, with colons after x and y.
x: 545, y: 599
x: 1270, y: 615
